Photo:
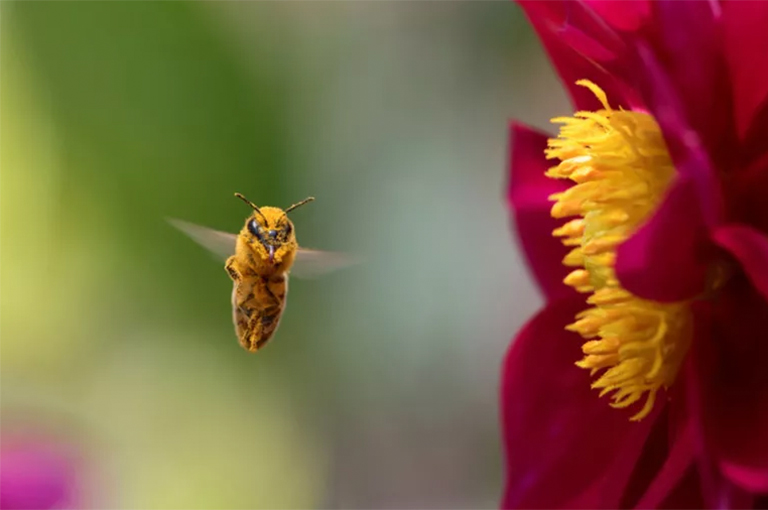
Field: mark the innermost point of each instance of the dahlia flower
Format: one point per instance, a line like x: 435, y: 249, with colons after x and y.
x: 645, y: 225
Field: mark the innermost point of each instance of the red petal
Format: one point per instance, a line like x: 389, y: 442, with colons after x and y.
x: 565, y: 447
x: 685, y: 146
x: 716, y: 490
x: 686, y: 494
x: 679, y: 460
x: 730, y: 356
x: 665, y: 475
x: 754, y: 144
x: 746, y: 40
x: 580, y: 46
x: 667, y: 258
x: 528, y: 194
x: 622, y: 15
x: 745, y: 189
x: 752, y: 479
x: 750, y: 247
x: 663, y: 260
x: 689, y: 48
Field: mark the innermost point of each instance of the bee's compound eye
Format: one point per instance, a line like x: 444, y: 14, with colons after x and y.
x: 254, y: 228
x: 288, y: 229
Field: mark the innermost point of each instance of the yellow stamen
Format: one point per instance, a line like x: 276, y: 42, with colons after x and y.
x: 621, y: 168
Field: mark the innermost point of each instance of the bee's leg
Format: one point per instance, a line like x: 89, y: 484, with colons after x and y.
x: 255, y: 332
x: 261, y: 326
x: 232, y: 269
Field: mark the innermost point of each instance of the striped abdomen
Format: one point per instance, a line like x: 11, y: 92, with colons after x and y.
x: 257, y: 305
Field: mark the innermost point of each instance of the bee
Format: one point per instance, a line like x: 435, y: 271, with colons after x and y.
x: 258, y: 260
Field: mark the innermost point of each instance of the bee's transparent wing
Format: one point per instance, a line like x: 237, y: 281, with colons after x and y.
x: 221, y: 244
x: 308, y: 263
x: 314, y: 263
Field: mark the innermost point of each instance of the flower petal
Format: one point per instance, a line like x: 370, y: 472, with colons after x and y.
x: 691, y: 56
x: 580, y: 45
x: 663, y: 260
x: 665, y: 475
x: 684, y: 143
x: 750, y: 247
x: 528, y: 193
x: 667, y: 258
x: 686, y: 494
x: 715, y: 490
x: 730, y: 356
x: 679, y: 460
x: 565, y: 447
x: 754, y: 143
x: 622, y: 15
x: 745, y: 189
x: 745, y: 42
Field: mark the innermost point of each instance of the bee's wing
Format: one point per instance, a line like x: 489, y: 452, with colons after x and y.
x: 221, y: 244
x: 313, y: 263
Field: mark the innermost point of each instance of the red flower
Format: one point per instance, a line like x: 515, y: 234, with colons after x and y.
x: 667, y: 177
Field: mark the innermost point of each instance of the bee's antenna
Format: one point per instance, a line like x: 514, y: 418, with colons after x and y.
x: 253, y: 206
x: 294, y: 206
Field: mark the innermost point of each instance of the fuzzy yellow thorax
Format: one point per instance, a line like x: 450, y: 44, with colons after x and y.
x: 620, y: 168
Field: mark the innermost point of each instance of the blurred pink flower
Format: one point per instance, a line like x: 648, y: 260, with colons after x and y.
x: 676, y: 264
x: 36, y: 474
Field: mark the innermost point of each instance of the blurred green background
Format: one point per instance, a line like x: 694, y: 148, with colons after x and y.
x: 380, y: 389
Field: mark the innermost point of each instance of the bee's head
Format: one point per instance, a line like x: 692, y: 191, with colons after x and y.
x: 269, y: 232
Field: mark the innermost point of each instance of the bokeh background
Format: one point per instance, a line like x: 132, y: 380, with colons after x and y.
x: 380, y: 389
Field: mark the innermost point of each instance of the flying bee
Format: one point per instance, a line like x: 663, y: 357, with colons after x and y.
x: 258, y: 261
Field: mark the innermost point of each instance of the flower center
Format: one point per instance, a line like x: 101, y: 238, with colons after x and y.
x: 621, y: 169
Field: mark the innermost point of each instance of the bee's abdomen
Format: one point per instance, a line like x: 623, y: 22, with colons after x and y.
x: 258, y: 304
